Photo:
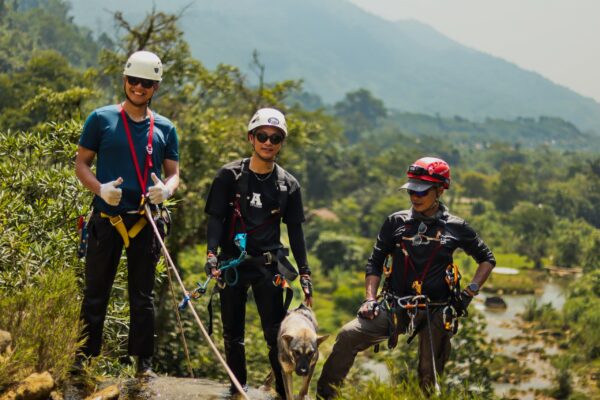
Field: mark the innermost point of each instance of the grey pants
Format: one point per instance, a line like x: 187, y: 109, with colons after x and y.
x: 360, y: 334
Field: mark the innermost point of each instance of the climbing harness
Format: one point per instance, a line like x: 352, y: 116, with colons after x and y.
x: 171, y: 265
x: 450, y: 316
x: 117, y: 220
x: 411, y: 304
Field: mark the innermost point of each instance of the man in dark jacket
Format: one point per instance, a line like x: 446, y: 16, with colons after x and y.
x: 420, y: 295
x: 253, y: 196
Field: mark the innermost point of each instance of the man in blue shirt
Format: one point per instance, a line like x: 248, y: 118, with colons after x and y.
x: 130, y: 143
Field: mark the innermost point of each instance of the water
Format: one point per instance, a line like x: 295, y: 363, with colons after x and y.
x: 504, y: 328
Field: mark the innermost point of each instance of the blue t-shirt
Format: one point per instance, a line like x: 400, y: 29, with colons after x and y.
x: 104, y: 133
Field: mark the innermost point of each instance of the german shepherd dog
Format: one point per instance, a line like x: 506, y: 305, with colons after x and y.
x: 298, y: 346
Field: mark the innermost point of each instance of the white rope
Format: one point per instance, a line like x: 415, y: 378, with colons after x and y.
x: 204, y: 332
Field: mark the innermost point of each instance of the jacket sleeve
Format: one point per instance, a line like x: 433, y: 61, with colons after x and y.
x: 220, y: 194
x: 383, y: 246
x: 474, y: 246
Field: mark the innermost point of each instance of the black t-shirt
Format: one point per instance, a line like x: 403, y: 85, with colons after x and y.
x: 262, y: 218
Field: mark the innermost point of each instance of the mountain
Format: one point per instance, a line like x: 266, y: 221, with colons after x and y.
x: 336, y: 47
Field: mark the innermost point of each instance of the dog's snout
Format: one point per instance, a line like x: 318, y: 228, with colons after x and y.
x: 302, y: 371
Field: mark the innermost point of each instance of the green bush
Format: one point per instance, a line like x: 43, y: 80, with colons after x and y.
x: 44, y: 322
x: 338, y: 250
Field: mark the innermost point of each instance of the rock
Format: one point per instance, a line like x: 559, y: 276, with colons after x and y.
x: 108, y: 393
x: 182, y: 389
x: 5, y: 341
x: 34, y: 387
x: 496, y: 302
x: 56, y: 396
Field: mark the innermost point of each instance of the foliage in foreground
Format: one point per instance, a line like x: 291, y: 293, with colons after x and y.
x: 404, y: 385
x: 39, y: 202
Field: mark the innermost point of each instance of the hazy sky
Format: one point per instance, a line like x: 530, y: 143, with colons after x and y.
x: 559, y: 39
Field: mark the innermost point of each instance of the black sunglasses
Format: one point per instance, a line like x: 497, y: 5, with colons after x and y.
x: 146, y: 83
x: 421, y: 193
x: 275, y: 138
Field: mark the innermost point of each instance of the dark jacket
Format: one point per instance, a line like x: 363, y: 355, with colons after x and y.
x: 427, y: 261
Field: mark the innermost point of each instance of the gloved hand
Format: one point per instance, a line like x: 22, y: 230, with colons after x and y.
x: 369, y: 309
x: 463, y: 303
x: 212, y: 265
x: 110, y: 193
x: 159, y: 192
x: 306, y: 283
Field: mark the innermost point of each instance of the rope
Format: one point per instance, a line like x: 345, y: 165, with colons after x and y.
x: 185, y: 346
x: 192, y: 309
x: 435, y: 375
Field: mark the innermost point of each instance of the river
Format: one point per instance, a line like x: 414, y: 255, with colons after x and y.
x: 505, y: 329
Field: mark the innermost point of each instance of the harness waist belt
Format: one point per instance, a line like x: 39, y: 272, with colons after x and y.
x: 275, y: 258
x: 117, y: 222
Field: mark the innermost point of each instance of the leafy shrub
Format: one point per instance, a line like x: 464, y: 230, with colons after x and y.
x: 338, y: 250
x: 43, y: 320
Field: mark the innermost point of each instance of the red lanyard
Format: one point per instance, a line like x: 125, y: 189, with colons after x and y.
x: 148, y: 163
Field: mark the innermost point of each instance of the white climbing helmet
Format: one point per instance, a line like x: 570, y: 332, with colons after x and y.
x: 268, y: 117
x: 144, y: 64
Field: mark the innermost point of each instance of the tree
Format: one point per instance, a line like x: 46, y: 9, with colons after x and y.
x: 511, y: 187
x: 532, y: 225
x: 360, y: 112
x: 475, y: 184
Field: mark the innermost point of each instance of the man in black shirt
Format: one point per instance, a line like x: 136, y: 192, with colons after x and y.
x: 420, y: 295
x: 254, y: 196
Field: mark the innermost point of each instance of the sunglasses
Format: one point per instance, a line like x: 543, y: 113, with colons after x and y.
x: 421, y: 193
x: 420, y: 237
x: 146, y: 83
x: 275, y: 138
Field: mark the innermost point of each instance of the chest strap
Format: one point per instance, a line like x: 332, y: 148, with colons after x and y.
x: 117, y: 222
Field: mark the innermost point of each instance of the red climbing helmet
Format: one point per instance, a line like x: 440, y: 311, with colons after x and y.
x: 427, y: 172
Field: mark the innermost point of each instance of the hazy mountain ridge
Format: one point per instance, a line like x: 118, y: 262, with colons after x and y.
x: 337, y: 47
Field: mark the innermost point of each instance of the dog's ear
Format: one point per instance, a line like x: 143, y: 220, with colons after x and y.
x: 287, y: 338
x: 321, y: 339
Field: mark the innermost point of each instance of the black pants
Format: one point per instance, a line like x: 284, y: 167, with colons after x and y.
x: 105, y: 246
x: 269, y: 302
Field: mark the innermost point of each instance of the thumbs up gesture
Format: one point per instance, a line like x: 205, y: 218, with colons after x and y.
x: 159, y: 192
x: 110, y: 193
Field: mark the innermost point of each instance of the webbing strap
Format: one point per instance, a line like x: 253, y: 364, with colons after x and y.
x: 240, y: 201
x: 117, y: 222
x: 148, y: 162
x: 409, y: 262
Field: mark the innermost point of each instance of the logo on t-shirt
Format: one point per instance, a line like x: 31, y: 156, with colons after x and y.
x: 255, y: 202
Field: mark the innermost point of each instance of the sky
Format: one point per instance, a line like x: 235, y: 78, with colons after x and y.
x: 560, y: 39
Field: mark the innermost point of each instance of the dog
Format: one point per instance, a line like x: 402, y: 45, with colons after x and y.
x: 298, y: 347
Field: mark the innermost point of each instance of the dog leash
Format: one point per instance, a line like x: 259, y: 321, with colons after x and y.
x: 171, y: 265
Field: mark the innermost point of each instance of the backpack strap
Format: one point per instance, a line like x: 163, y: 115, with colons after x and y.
x: 239, y: 202
x: 283, y: 190
x: 241, y: 185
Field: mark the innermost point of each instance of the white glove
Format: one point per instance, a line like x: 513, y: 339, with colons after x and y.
x: 110, y: 193
x: 159, y: 192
